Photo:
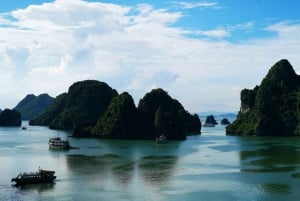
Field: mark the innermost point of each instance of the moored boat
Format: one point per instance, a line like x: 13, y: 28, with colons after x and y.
x: 41, y: 176
x: 161, y: 139
x: 58, y: 143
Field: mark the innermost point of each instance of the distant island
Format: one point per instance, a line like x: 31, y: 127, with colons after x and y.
x: 32, y: 106
x: 92, y: 108
x: 210, y: 121
x: 225, y: 121
x: 273, y: 107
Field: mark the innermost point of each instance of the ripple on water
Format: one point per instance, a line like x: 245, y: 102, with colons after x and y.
x: 296, y: 175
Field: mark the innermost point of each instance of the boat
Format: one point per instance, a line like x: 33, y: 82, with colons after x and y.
x: 24, y: 127
x: 58, y: 143
x: 41, y: 176
x: 161, y: 139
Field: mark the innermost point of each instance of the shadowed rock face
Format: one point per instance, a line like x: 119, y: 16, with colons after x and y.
x: 10, y: 118
x: 32, y: 106
x: 273, y: 108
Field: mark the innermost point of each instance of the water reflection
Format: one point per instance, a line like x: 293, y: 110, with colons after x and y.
x: 270, y: 156
x: 121, y: 161
x: 157, y: 169
x: 39, y: 188
x: 123, y: 173
x: 273, y: 188
x: 153, y: 169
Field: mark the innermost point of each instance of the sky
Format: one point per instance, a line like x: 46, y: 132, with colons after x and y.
x: 203, y: 53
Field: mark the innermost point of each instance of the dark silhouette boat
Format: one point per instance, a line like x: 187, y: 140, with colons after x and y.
x: 41, y: 176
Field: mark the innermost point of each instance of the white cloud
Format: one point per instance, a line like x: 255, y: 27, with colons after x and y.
x: 200, y: 4
x: 216, y: 33
x: 46, y: 48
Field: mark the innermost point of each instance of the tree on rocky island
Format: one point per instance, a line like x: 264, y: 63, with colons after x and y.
x: 10, y: 117
x: 273, y: 108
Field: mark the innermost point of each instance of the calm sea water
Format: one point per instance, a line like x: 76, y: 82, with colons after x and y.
x: 207, y: 167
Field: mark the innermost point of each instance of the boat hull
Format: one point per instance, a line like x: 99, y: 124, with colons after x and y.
x: 21, y: 182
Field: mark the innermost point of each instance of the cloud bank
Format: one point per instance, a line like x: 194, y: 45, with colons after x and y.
x: 45, y: 48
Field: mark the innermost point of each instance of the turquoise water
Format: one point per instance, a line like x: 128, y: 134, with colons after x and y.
x: 207, y: 167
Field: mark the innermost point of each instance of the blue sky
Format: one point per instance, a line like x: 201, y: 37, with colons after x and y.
x: 202, y: 52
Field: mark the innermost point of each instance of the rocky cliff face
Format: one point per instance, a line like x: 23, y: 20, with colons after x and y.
x: 273, y: 108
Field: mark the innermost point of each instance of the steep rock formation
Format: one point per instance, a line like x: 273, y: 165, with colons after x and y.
x: 84, y: 103
x: 162, y: 114
x: 120, y: 120
x: 273, y: 108
x: 210, y: 121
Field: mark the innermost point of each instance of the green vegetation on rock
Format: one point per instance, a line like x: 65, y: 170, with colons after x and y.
x: 84, y: 103
x: 163, y: 115
x: 273, y: 107
x: 120, y: 120
x: 93, y: 109
x: 53, y: 111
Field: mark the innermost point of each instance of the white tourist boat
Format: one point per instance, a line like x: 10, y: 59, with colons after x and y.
x: 58, y: 143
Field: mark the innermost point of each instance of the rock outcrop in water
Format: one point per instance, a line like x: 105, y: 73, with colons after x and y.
x: 93, y: 109
x: 225, y: 121
x: 164, y: 115
x: 10, y: 117
x: 210, y: 121
x: 273, y: 108
x: 32, y: 106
